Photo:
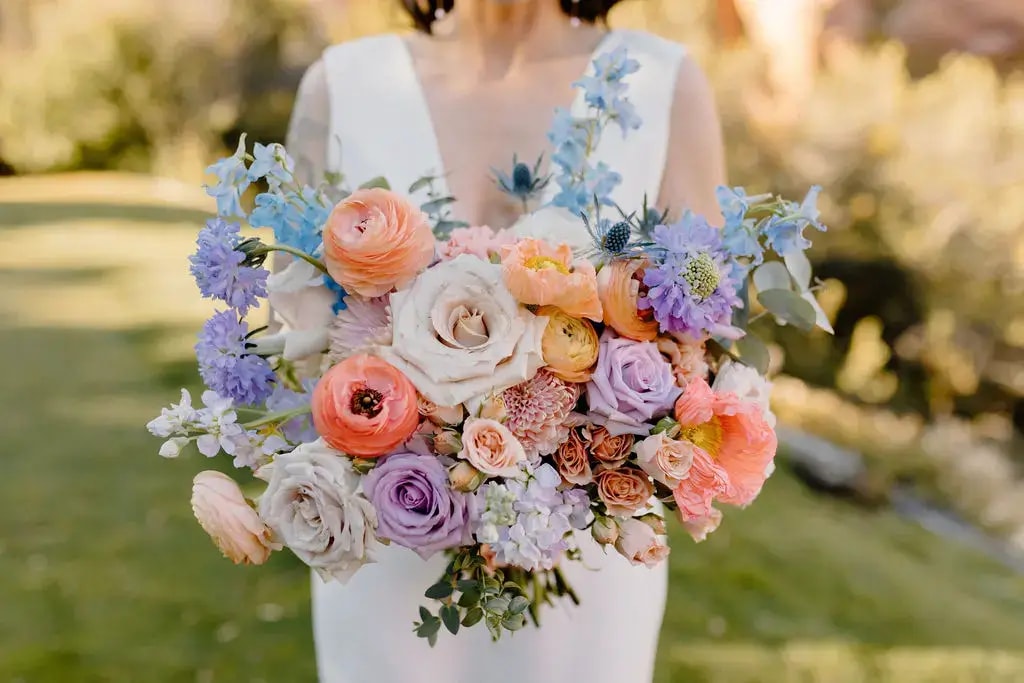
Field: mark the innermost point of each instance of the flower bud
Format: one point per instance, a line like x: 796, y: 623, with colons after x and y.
x: 605, y: 530
x: 493, y: 408
x: 667, y: 425
x: 465, y: 477
x: 654, y: 521
x: 447, y: 442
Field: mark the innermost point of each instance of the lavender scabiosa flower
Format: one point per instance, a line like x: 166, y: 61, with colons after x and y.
x: 225, y: 365
x: 692, y: 284
x: 220, y: 271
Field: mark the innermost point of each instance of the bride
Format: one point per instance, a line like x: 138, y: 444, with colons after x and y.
x: 475, y: 83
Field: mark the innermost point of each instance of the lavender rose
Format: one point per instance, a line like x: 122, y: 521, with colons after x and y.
x: 631, y: 385
x: 416, y: 507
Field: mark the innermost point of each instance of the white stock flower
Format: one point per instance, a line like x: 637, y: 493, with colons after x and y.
x: 746, y: 383
x: 303, y: 303
x: 459, y: 333
x: 312, y: 505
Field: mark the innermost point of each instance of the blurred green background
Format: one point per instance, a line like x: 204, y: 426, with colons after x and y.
x: 109, y: 109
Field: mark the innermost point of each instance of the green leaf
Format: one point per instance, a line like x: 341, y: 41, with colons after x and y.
x: 380, y: 181
x: 772, y: 275
x: 467, y: 584
x: 741, y: 316
x: 439, y: 591
x: 470, y: 598
x: 754, y: 353
x: 519, y: 605
x: 497, y: 605
x: 435, y: 205
x: 450, y: 617
x: 790, y: 307
x: 420, y: 184
x: 799, y: 267
x: 432, y: 639
x: 472, y: 617
x: 429, y: 628
x: 514, y: 622
x: 425, y: 614
x: 512, y: 587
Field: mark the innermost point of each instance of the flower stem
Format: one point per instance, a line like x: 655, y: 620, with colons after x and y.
x: 271, y: 418
x: 267, y: 248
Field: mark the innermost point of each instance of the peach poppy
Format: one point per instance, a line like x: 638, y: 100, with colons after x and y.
x: 364, y: 407
x: 619, y: 286
x: 376, y: 241
x: 539, y: 274
x: 730, y: 435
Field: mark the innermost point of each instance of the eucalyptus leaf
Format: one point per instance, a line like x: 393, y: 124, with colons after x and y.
x: 789, y: 307
x: 470, y: 598
x: 439, y: 591
x: 514, y: 622
x: 497, y: 605
x: 741, y: 315
x: 420, y: 184
x: 772, y: 275
x: 450, y: 617
x: 518, y: 605
x: 378, y: 182
x: 435, y: 205
x: 473, y: 617
x: 800, y: 268
x: 754, y: 353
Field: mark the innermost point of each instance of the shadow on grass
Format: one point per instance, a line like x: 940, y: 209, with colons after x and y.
x: 14, y: 215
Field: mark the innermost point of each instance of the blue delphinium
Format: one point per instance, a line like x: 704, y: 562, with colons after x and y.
x: 272, y: 163
x: 225, y: 365
x: 692, y: 284
x: 784, y: 232
x: 339, y: 294
x: 219, y: 271
x: 739, y: 234
x: 232, y: 181
x: 604, y: 90
x: 297, y: 218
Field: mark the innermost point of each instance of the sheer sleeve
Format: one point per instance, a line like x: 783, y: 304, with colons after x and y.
x: 309, y: 127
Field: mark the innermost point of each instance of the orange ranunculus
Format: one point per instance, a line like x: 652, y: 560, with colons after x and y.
x: 375, y: 241
x: 364, y: 407
x: 618, y: 284
x: 570, y: 345
x: 539, y: 274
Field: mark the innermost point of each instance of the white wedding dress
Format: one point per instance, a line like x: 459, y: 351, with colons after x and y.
x: 364, y: 103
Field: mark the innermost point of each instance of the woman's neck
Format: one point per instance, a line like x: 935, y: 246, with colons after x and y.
x: 493, y: 40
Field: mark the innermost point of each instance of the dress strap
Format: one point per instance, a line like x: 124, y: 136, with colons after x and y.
x: 380, y: 123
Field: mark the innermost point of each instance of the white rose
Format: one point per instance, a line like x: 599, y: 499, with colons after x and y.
x: 459, y: 333
x: 555, y: 225
x: 745, y: 382
x: 312, y: 505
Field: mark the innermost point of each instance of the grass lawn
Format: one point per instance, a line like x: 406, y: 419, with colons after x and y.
x: 106, y: 577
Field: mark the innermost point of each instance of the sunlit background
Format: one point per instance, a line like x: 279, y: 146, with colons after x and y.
x: 889, y: 547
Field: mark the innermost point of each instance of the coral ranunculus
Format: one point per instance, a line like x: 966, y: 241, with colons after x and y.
x: 619, y: 284
x: 570, y: 345
x: 734, y: 436
x: 376, y: 241
x: 539, y: 274
x: 364, y: 407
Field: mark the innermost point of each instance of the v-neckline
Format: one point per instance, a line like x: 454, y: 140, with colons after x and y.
x: 441, y: 174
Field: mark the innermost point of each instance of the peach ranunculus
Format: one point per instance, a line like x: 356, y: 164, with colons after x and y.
x: 572, y: 462
x: 624, y: 491
x: 570, y: 345
x: 687, y: 358
x: 639, y: 543
x: 542, y: 275
x: 666, y: 460
x: 732, y: 440
x: 619, y: 285
x: 236, y: 528
x: 480, y: 241
x: 376, y: 241
x: 609, y: 451
x: 364, y: 407
x: 491, y: 448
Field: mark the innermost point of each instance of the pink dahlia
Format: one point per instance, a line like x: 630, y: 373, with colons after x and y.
x: 480, y: 241
x: 364, y: 323
x: 537, y: 411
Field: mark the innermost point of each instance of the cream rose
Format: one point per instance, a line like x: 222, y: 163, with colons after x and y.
x: 555, y: 225
x: 236, y: 529
x: 747, y: 384
x: 459, y: 333
x: 666, y: 460
x: 491, y: 448
x: 312, y: 505
x: 639, y: 544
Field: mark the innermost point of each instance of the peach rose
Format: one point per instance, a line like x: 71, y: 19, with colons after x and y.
x: 570, y: 345
x: 610, y: 451
x: 686, y: 356
x: 538, y: 274
x: 624, y: 490
x: 376, y: 241
x: 639, y: 544
x: 236, y: 529
x: 572, y: 462
x: 364, y: 407
x: 480, y: 241
x: 619, y: 285
x: 490, y: 447
x: 439, y: 415
x: 665, y: 459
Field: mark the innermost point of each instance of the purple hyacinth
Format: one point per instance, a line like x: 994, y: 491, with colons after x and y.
x: 225, y: 365
x: 218, y: 270
x: 692, y: 286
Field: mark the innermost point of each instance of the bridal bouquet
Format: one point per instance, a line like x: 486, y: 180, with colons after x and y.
x: 500, y: 396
